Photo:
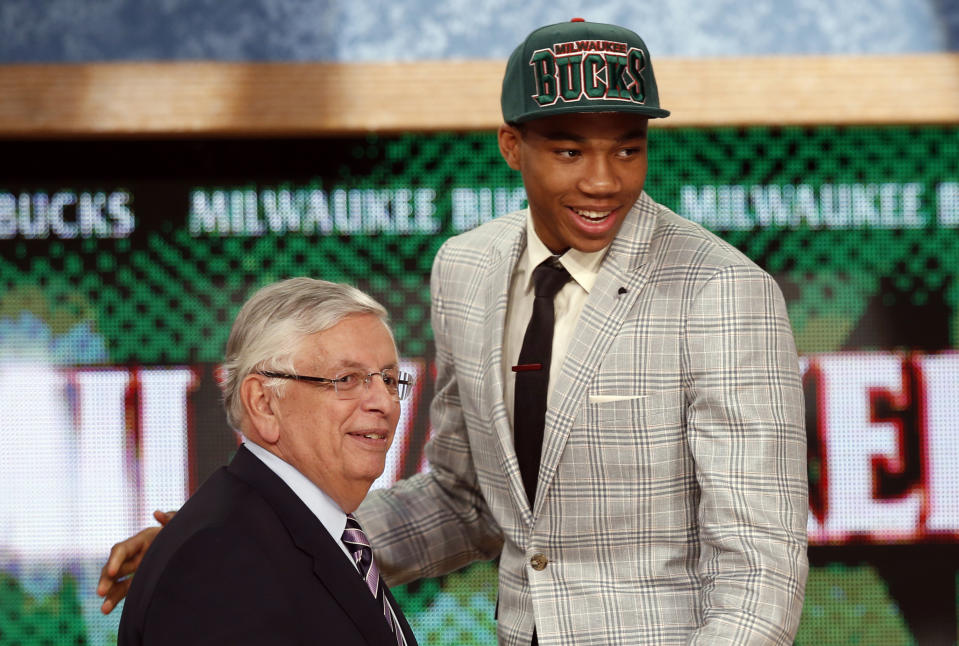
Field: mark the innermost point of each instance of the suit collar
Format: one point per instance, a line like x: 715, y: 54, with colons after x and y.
x: 319, y: 503
x: 620, y: 280
x: 632, y: 244
x: 504, y: 252
x: 606, y: 308
x: 330, y: 565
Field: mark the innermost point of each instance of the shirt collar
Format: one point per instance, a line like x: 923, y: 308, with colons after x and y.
x: 582, y: 266
x: 323, y: 507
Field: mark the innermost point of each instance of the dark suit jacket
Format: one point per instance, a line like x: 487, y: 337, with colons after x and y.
x: 246, y: 562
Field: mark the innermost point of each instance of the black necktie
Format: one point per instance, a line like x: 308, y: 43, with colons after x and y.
x: 532, y: 373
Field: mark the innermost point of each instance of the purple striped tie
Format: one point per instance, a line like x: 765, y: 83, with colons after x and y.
x: 359, y: 546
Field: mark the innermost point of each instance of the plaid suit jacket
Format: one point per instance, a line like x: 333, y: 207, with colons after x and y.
x: 672, y: 502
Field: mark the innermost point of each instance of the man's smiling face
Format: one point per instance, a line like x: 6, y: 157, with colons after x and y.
x: 340, y: 444
x: 582, y: 174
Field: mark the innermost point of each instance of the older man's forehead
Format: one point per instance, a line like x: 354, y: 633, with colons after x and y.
x: 321, y: 355
x: 347, y: 346
x: 346, y: 363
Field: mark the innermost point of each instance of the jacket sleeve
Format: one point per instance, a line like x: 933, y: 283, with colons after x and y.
x: 435, y: 522
x: 747, y: 438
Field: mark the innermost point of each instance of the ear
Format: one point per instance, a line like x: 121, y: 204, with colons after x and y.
x: 259, y: 404
x: 509, y: 144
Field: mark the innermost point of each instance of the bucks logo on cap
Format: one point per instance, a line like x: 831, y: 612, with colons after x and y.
x: 579, y: 67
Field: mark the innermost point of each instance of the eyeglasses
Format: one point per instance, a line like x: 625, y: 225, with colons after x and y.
x: 346, y: 385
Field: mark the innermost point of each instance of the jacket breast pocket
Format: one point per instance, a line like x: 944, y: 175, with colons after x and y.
x: 632, y: 447
x: 633, y: 411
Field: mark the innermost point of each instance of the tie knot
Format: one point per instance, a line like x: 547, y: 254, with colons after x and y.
x: 549, y: 277
x: 353, y: 534
x: 359, y: 546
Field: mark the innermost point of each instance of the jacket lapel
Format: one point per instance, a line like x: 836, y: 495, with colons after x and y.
x: 503, y: 256
x: 330, y: 565
x: 604, y: 312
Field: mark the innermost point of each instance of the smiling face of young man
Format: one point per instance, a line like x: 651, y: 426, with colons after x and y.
x: 339, y: 444
x: 582, y: 174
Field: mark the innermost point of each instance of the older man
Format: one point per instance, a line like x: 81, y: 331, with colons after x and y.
x: 267, y: 550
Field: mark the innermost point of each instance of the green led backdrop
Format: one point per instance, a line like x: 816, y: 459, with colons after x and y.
x: 139, y: 253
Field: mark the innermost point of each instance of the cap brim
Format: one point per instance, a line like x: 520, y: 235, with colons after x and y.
x: 639, y: 110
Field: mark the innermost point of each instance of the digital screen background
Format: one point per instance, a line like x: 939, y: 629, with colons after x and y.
x: 124, y: 262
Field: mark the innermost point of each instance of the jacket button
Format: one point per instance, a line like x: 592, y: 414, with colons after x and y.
x: 538, y: 562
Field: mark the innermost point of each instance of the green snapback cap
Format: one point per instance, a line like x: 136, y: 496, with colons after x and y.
x: 579, y: 66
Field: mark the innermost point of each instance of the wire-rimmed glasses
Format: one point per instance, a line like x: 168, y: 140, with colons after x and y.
x: 347, y: 384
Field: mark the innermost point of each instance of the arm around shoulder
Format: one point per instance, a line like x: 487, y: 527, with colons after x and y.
x: 435, y: 522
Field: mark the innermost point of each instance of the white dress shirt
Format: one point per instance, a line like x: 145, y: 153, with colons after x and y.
x: 323, y: 507
x: 583, y: 267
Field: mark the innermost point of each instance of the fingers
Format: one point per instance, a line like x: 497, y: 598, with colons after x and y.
x: 110, y: 573
x: 120, y: 554
x: 114, y: 595
x: 110, y: 569
x: 124, y: 559
x: 163, y: 517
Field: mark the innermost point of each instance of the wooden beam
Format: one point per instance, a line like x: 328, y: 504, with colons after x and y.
x: 814, y: 90
x: 327, y: 99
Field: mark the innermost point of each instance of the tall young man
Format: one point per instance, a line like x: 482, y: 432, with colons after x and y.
x: 641, y: 474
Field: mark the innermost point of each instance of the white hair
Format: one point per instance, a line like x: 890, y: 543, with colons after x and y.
x: 275, y: 321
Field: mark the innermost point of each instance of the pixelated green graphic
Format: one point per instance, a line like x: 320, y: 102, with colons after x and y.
x: 172, y: 298
x: 830, y: 275
x: 168, y: 297
x: 460, y: 611
x: 54, y: 620
x: 850, y: 605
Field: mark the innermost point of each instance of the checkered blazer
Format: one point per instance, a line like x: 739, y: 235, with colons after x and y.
x: 671, y: 505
